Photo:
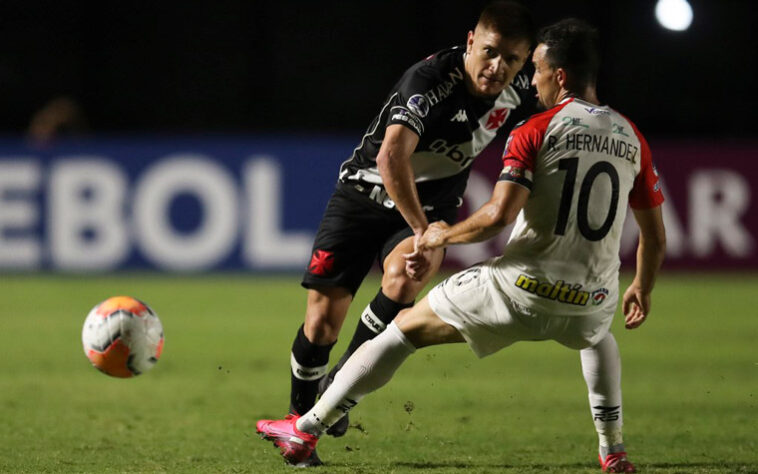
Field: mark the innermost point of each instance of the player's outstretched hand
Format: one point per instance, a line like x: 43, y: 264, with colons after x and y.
x: 636, y: 306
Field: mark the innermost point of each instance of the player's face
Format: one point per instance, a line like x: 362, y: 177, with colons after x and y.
x: 492, y: 61
x: 545, y: 78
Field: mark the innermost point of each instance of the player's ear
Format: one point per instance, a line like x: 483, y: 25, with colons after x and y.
x: 470, y: 42
x: 560, y: 77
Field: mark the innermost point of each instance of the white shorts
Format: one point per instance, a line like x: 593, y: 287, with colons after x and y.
x: 473, y: 302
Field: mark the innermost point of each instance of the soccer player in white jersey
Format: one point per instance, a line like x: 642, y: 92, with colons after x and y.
x: 568, y: 175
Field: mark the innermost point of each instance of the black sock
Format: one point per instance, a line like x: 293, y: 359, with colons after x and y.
x: 309, y: 362
x: 377, y: 315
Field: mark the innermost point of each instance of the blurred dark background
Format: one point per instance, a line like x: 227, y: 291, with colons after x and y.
x: 250, y: 66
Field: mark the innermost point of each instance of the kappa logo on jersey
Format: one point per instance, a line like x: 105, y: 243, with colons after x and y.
x: 460, y: 116
x: 322, y: 262
x: 496, y: 119
x: 418, y: 105
x: 599, y: 295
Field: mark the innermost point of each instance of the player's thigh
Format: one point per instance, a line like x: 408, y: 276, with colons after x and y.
x: 349, y: 238
x: 580, y: 332
x: 423, y: 327
x: 472, y: 301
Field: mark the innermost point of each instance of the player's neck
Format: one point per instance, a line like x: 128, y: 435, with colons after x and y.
x: 589, y: 94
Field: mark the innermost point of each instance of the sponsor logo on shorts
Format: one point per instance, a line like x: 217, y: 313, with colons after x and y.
x: 558, y: 291
x: 418, y: 105
x: 599, y: 295
x: 322, y: 263
x: 380, y: 195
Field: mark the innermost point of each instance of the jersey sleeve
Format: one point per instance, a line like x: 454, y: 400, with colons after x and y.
x: 409, y: 106
x: 646, y: 190
x: 521, y: 151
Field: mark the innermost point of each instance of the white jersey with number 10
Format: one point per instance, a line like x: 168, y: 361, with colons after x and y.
x: 583, y: 164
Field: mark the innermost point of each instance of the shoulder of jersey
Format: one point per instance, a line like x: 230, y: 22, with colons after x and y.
x: 634, y: 125
x: 442, y: 60
x: 543, y: 116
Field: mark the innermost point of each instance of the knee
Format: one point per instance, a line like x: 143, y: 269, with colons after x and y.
x: 397, y: 285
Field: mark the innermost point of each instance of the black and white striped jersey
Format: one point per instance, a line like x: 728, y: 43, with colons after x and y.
x: 453, y: 126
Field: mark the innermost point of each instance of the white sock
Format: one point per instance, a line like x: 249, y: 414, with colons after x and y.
x: 371, y: 366
x: 601, y: 366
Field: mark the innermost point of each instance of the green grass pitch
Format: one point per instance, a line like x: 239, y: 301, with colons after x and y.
x: 690, y: 381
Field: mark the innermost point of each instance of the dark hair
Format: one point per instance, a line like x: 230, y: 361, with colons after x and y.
x: 510, y: 19
x: 572, y: 44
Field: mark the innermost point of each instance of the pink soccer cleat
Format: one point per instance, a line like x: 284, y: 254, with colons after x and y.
x: 294, y: 445
x: 616, y: 462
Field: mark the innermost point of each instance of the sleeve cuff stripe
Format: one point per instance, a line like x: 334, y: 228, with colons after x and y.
x: 522, y: 181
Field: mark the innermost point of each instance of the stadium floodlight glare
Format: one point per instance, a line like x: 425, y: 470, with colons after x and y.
x: 675, y: 15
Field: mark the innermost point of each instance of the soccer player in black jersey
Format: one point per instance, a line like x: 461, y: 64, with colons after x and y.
x: 409, y: 169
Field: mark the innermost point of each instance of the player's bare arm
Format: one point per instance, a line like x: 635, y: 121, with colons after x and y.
x: 489, y: 220
x: 394, y: 165
x: 650, y: 253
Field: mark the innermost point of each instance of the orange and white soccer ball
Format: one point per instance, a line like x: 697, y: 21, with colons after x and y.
x: 122, y: 337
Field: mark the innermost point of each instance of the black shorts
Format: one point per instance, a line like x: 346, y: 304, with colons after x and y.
x: 354, y: 232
